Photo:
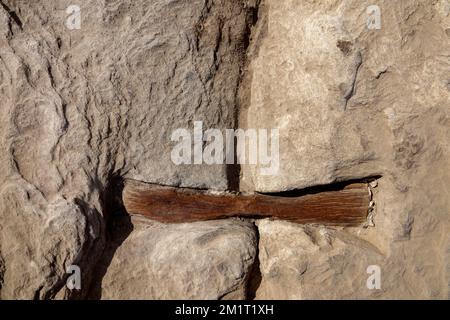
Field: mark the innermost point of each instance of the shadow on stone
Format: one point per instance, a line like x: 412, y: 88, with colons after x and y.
x: 254, y: 277
x: 118, y: 228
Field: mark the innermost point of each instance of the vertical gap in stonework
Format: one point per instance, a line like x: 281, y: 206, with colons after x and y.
x: 233, y: 171
x: 254, y: 277
x: 118, y: 227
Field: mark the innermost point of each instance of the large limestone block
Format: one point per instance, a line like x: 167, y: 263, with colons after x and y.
x: 81, y: 107
x: 205, y: 260
x: 307, y: 262
x: 314, y: 262
x: 394, y: 124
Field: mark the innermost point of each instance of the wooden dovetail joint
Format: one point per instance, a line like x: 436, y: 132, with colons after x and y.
x: 346, y: 207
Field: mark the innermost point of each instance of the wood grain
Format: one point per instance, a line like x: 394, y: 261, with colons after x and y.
x: 348, y: 206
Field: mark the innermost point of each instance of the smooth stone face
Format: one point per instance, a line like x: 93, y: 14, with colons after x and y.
x: 204, y: 260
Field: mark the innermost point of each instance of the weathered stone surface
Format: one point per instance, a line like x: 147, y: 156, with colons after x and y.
x: 314, y: 262
x: 81, y: 107
x: 349, y: 102
x: 205, y: 260
x: 394, y: 124
x: 307, y: 262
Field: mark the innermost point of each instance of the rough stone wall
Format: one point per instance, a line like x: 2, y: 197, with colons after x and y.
x: 84, y: 109
x: 353, y: 103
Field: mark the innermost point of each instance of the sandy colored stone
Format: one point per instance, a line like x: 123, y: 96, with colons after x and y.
x: 81, y: 108
x: 313, y: 262
x: 205, y: 260
x: 394, y: 126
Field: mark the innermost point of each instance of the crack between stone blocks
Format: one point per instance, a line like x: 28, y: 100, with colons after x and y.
x: 242, y: 94
x: 254, y: 277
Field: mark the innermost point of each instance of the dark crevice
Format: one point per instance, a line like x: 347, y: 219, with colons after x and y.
x: 321, y: 188
x: 233, y: 170
x: 254, y: 277
x: 13, y: 15
x: 352, y: 90
x: 382, y: 72
x: 189, y: 188
x: 118, y: 227
x: 37, y: 293
x: 252, y: 20
x: 2, y: 272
